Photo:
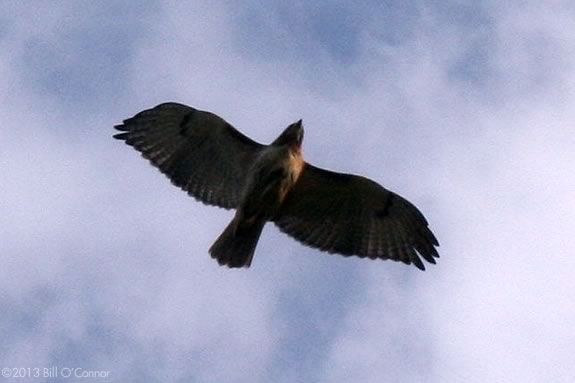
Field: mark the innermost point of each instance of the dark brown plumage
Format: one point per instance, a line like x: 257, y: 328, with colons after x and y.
x: 335, y: 212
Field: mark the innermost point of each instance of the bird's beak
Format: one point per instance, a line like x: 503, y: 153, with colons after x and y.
x: 299, y: 132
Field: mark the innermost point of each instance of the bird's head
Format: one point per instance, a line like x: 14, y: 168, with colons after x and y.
x: 292, y: 135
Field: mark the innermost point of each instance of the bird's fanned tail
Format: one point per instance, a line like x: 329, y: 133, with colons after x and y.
x: 235, y: 247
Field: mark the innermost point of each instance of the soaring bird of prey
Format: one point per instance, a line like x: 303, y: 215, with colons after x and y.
x: 339, y: 213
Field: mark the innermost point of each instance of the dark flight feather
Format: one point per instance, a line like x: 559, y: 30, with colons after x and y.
x: 199, y: 151
x: 352, y: 215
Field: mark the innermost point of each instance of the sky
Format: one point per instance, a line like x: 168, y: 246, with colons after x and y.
x: 466, y: 108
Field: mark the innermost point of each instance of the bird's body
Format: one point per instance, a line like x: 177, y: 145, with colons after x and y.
x: 272, y: 175
x: 335, y: 212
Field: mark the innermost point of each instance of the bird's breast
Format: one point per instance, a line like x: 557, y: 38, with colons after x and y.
x: 294, y: 166
x: 270, y: 180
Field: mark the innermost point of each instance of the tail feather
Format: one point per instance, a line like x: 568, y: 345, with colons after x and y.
x: 235, y: 247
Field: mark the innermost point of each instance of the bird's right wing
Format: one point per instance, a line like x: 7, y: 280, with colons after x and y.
x: 198, y: 151
x: 353, y: 215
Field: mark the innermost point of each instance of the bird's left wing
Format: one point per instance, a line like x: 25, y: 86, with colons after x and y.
x: 199, y: 151
x: 352, y: 215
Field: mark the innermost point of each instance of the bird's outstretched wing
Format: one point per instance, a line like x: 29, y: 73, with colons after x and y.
x: 352, y: 215
x: 199, y: 151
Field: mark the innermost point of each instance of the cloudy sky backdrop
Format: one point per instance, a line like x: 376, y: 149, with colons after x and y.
x: 464, y: 107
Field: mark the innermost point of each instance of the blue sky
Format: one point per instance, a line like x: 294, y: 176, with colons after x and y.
x: 465, y: 108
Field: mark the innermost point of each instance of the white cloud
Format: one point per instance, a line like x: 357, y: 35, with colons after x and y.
x: 106, y: 263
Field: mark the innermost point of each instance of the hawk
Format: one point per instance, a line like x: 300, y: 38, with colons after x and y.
x: 335, y: 212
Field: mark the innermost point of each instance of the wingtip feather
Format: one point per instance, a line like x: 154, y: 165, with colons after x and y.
x: 121, y: 136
